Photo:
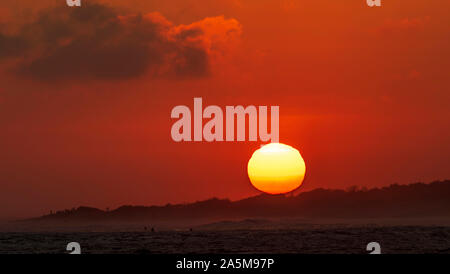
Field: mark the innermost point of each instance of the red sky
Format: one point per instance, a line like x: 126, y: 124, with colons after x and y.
x: 86, y: 96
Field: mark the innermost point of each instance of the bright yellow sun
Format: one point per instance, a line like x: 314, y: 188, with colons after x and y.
x: 276, y: 168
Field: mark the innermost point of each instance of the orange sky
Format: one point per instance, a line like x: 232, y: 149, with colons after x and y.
x: 85, y: 98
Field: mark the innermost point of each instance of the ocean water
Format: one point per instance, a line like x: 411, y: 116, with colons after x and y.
x: 393, y: 239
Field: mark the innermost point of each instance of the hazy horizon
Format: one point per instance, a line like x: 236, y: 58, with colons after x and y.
x: 295, y: 193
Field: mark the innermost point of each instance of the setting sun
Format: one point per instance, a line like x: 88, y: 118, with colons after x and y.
x: 276, y: 168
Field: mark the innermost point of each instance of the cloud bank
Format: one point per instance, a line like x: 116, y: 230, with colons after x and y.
x: 98, y: 42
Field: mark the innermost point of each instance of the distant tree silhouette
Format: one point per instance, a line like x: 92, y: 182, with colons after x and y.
x: 413, y: 200
x: 353, y: 188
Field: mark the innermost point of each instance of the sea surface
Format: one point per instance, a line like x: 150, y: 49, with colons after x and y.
x: 328, y: 239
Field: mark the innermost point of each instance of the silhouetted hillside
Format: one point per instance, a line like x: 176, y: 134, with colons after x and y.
x: 414, y: 200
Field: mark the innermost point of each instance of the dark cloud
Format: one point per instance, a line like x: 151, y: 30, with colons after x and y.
x: 11, y: 46
x: 97, y: 42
